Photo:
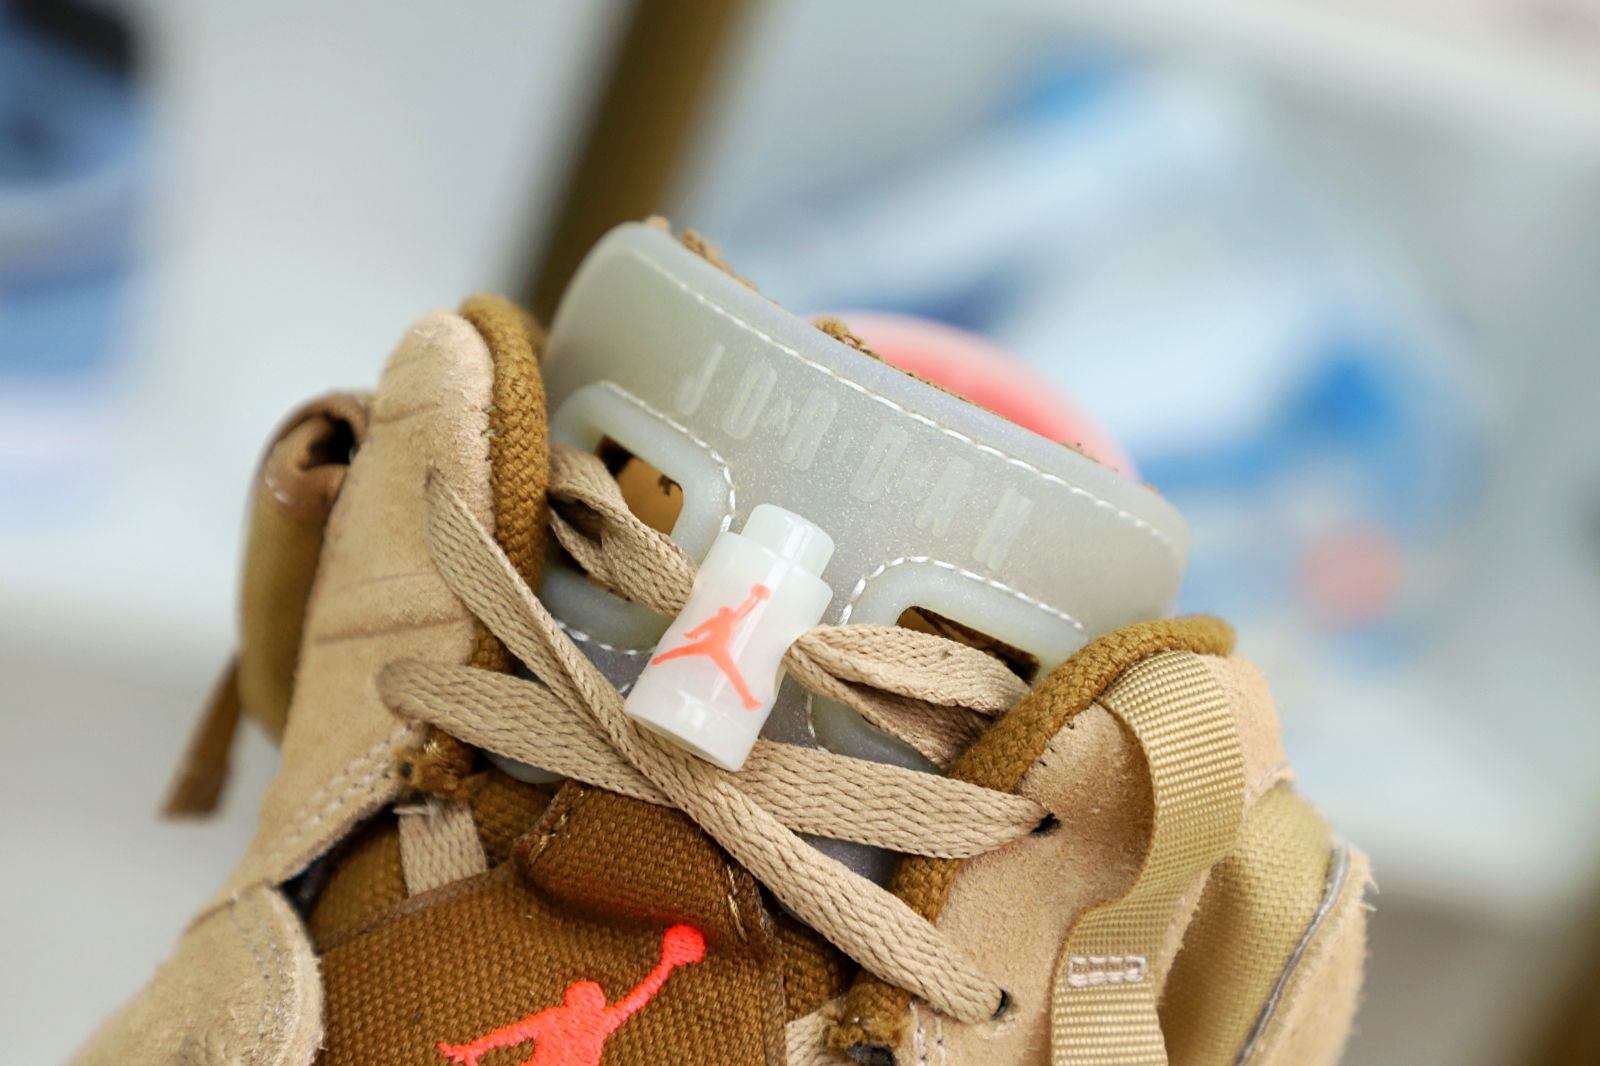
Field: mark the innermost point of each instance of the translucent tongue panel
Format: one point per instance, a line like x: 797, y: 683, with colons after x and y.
x: 931, y: 502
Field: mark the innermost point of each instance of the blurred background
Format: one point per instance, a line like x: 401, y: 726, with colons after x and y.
x: 1330, y: 270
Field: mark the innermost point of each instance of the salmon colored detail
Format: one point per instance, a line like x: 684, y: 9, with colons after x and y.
x: 575, y: 1033
x: 713, y: 638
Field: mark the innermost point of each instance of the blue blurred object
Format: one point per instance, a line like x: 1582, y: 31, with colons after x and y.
x: 1274, y: 371
x: 71, y: 156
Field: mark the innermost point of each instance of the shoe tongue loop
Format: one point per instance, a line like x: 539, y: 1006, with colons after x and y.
x: 932, y: 502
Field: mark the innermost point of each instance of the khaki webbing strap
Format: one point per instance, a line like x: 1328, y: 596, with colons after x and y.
x: 1104, y: 1009
x: 439, y: 843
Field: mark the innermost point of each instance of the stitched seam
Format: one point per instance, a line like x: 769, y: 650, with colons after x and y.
x: 409, y: 906
x: 733, y: 903
x: 931, y: 423
x: 1000, y: 586
x: 309, y: 818
x: 705, y: 445
x: 1338, y: 871
x: 537, y: 849
x: 777, y: 1012
x: 314, y: 819
x: 1093, y: 971
x: 919, y: 1040
x: 727, y: 516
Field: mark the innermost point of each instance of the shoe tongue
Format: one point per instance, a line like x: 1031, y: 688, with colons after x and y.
x: 931, y: 501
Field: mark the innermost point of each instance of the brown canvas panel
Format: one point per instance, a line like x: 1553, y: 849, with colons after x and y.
x: 504, y: 809
x: 365, y: 878
x: 577, y: 902
x: 814, y: 971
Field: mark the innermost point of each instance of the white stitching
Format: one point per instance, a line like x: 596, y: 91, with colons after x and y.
x: 1089, y: 971
x: 727, y: 516
x: 716, y: 456
x: 1006, y: 457
x: 583, y: 638
x: 306, y: 819
x: 861, y: 587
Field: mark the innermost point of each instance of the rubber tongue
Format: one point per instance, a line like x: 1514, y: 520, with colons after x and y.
x: 931, y: 502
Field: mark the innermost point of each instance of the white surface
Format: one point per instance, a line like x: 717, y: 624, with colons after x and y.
x: 96, y: 888
x: 325, y: 174
x: 1517, y: 72
x: 755, y: 593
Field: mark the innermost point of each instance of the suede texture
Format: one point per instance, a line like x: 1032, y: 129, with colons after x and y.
x: 295, y: 488
x: 875, y: 1013
x: 300, y: 479
x: 377, y: 598
x: 240, y: 988
x: 244, y: 984
x: 585, y: 896
x: 1013, y: 908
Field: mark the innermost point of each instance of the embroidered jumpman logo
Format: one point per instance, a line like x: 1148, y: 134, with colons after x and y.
x: 713, y: 638
x: 575, y: 1033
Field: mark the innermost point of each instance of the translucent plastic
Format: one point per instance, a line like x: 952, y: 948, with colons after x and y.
x: 931, y: 502
x: 714, y: 676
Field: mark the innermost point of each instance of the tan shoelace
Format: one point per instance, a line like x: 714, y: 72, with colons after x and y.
x: 934, y: 692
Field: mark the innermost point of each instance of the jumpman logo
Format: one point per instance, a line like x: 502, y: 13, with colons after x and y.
x: 713, y: 638
x: 575, y: 1033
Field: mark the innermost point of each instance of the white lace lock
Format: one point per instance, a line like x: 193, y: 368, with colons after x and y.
x: 714, y: 676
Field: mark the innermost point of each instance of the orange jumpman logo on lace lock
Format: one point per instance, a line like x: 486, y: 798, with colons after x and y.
x: 713, y: 638
x: 575, y: 1033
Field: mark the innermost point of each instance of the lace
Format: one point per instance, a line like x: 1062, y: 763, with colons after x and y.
x: 934, y: 692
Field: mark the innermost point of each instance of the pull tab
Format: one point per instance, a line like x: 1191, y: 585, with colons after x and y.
x: 713, y: 677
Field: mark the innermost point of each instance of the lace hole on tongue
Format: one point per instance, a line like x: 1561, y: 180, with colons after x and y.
x: 1004, y: 1008
x: 654, y: 496
x: 926, y: 620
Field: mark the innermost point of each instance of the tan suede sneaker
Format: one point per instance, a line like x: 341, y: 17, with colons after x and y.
x: 1003, y: 810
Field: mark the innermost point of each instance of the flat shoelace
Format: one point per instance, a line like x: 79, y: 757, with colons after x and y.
x: 934, y: 692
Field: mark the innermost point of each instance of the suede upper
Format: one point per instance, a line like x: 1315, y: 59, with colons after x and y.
x: 607, y: 929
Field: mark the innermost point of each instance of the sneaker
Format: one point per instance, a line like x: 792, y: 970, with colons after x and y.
x: 693, y: 687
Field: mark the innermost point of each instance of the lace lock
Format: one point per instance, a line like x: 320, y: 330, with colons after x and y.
x: 713, y: 678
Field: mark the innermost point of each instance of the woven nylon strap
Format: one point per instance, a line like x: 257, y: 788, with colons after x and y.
x: 1104, y: 1008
